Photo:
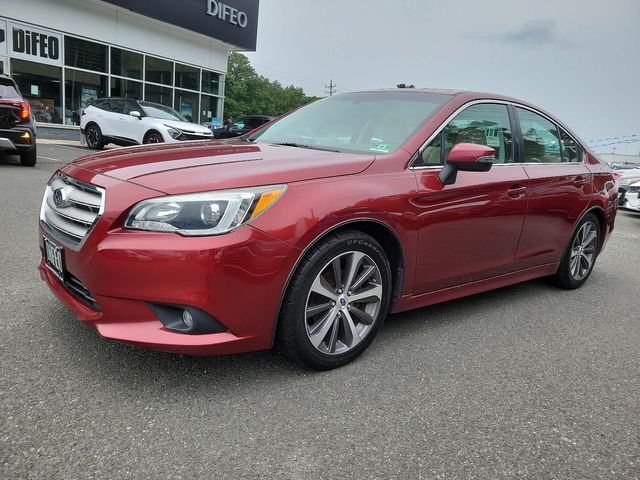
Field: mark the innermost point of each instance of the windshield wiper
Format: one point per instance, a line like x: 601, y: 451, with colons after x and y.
x: 311, y: 147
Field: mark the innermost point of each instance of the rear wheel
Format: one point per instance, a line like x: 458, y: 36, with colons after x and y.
x: 153, y: 137
x: 29, y: 157
x: 580, y: 256
x: 94, y: 137
x: 336, y: 302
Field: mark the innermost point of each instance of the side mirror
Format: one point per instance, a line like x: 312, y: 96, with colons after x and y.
x: 135, y: 113
x: 468, y: 157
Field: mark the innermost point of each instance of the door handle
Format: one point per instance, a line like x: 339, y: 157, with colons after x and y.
x: 517, y: 191
x: 581, y: 181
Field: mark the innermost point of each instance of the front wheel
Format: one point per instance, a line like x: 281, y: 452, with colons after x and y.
x: 580, y: 256
x: 153, y: 137
x: 336, y: 302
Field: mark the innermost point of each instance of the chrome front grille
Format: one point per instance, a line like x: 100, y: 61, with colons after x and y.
x: 70, y: 208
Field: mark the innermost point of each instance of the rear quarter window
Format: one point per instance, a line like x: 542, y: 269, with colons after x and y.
x: 8, y: 89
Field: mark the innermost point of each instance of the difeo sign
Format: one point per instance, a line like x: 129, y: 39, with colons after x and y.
x: 35, y: 45
x: 226, y: 13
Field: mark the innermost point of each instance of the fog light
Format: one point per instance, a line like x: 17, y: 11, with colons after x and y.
x: 187, y: 319
x: 26, y: 137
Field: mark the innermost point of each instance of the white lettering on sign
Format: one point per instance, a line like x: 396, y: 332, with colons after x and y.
x: 226, y: 13
x: 35, y: 45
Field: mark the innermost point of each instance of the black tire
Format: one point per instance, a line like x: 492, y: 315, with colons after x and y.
x: 292, y: 336
x: 29, y: 157
x: 153, y: 137
x: 93, y: 136
x: 565, y: 277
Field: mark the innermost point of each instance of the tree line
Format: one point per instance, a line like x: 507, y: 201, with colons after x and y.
x: 248, y: 93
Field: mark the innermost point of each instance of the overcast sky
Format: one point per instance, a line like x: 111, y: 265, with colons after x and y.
x: 579, y: 59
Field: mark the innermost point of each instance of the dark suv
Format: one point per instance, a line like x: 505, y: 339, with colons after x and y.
x: 241, y: 126
x: 17, y: 126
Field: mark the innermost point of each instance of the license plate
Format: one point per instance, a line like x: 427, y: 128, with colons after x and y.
x: 54, y: 258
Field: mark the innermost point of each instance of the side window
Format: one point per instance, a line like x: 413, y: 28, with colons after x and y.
x: 239, y: 125
x: 115, y: 106
x: 569, y: 148
x: 485, y: 124
x: 101, y: 104
x: 130, y: 106
x: 540, y: 138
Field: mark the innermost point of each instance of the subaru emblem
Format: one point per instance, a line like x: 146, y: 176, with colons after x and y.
x: 60, y: 197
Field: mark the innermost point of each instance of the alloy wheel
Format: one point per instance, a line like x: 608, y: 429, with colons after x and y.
x: 343, y: 303
x: 92, y: 136
x: 583, y: 251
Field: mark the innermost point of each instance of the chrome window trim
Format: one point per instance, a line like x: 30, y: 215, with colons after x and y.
x: 499, y: 102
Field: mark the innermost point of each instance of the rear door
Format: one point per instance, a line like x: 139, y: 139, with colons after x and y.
x: 469, y: 231
x: 559, y: 188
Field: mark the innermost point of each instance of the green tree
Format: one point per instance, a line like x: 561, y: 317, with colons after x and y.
x: 248, y: 93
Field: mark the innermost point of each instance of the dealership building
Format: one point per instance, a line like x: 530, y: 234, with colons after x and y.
x: 65, y: 53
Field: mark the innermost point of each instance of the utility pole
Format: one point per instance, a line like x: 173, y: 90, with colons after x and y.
x: 331, y: 88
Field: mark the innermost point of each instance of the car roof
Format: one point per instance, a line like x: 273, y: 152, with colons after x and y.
x: 470, y: 94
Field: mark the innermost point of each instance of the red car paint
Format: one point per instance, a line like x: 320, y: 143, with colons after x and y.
x: 487, y: 230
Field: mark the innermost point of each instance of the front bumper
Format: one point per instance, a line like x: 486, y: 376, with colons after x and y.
x: 631, y: 201
x: 237, y: 279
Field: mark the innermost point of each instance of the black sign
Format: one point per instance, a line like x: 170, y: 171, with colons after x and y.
x: 231, y: 21
x: 35, y: 43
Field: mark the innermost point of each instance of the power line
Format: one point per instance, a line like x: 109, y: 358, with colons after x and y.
x: 631, y: 137
x: 331, y: 88
x: 287, y: 74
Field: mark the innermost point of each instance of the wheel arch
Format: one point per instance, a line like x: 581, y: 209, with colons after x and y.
x: 382, y: 232
x: 602, y: 222
x: 149, y: 132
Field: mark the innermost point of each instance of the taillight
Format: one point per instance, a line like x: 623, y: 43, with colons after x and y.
x: 25, y: 111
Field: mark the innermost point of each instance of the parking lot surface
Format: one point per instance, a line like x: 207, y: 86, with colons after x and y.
x: 528, y: 381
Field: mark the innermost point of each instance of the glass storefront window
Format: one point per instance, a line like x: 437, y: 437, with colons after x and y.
x: 40, y: 85
x: 209, y: 108
x: 158, y: 71
x: 86, y: 55
x: 126, y: 88
x: 187, y: 104
x: 187, y: 77
x: 80, y: 89
x: 155, y: 93
x: 126, y: 64
x: 211, y: 82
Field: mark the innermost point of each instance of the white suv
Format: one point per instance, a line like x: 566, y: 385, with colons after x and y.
x: 125, y: 121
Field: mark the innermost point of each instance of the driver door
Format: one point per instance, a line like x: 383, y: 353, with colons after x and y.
x: 469, y: 230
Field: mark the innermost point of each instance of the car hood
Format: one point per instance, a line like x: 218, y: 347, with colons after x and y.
x: 206, y: 165
x: 184, y: 126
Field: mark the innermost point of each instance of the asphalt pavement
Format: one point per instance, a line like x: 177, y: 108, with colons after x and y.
x: 527, y: 381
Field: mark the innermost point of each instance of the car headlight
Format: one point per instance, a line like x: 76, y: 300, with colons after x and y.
x: 173, y: 132
x: 206, y: 213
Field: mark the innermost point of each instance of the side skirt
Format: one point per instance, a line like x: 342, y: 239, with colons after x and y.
x: 471, y: 288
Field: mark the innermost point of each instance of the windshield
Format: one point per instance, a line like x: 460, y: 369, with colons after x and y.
x: 155, y: 110
x: 8, y: 90
x: 378, y: 122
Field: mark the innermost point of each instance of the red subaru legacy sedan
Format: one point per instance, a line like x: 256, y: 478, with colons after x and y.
x: 307, y: 232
